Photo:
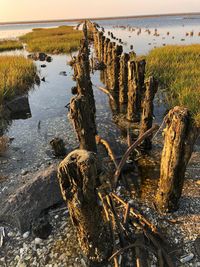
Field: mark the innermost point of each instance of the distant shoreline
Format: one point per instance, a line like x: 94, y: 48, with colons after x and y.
x: 101, y: 18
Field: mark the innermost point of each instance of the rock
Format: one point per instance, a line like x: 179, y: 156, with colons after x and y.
x: 58, y: 147
x: 63, y: 73
x: 19, y: 108
x: 43, y: 79
x: 41, y: 228
x: 24, y: 172
x: 25, y: 205
x: 38, y: 241
x: 49, y: 59
x: 74, y: 90
x: 41, y: 56
x: 43, y: 66
x: 26, y: 234
x: 187, y: 258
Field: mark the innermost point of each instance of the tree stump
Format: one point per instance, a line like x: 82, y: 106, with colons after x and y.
x: 82, y: 118
x: 77, y: 175
x: 180, y: 135
x: 147, y: 114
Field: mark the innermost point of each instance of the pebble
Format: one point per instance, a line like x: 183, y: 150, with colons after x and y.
x: 38, y: 240
x: 26, y: 234
x: 187, y: 258
x: 56, y: 217
x: 24, y: 172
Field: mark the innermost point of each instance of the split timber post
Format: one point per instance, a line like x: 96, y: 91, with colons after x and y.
x: 180, y: 135
x: 100, y: 45
x: 77, y: 175
x: 123, y: 81
x: 133, y: 93
x: 147, y: 114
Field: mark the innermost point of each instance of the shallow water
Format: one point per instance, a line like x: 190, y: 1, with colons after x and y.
x: 177, y: 27
x: 30, y: 147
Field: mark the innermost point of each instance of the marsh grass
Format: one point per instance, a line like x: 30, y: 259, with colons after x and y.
x: 7, y: 45
x: 17, y: 75
x: 63, y: 39
x: 178, y: 70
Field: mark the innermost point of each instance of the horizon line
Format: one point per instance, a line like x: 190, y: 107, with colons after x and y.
x: 99, y: 18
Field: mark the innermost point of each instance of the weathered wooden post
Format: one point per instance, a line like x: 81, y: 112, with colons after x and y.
x: 140, y: 71
x: 180, y: 135
x: 115, y: 67
x: 133, y: 92
x: 147, y: 114
x: 109, y: 64
x: 83, y: 121
x: 84, y: 84
x: 107, y: 41
x: 123, y: 82
x: 77, y: 175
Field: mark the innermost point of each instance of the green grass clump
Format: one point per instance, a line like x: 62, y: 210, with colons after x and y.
x: 177, y: 68
x: 7, y: 45
x: 17, y: 75
x: 63, y: 39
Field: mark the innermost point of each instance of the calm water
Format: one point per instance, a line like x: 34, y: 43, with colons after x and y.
x: 30, y: 146
x: 135, y: 31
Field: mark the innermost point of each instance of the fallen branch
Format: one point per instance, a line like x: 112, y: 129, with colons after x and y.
x: 129, y: 150
x: 105, y: 91
x: 99, y: 140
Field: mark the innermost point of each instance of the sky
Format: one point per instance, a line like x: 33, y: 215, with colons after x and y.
x: 26, y: 10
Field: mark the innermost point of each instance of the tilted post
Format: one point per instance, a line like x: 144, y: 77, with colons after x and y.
x: 180, y: 135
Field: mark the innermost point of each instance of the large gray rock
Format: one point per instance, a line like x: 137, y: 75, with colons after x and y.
x: 19, y: 108
x: 27, y: 203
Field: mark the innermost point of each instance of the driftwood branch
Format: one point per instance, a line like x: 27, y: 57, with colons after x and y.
x: 129, y: 150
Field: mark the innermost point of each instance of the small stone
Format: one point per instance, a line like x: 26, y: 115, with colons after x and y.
x: 10, y: 234
x: 83, y: 263
x: 26, y: 234
x: 56, y: 217
x: 24, y: 172
x: 187, y: 258
x: 38, y: 240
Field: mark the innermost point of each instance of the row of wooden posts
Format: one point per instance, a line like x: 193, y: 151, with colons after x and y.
x: 124, y: 75
x: 77, y: 173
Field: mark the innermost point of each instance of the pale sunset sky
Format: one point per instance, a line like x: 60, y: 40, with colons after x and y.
x: 26, y: 10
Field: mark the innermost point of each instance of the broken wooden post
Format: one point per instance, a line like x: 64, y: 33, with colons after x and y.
x: 58, y: 147
x: 180, y: 135
x: 77, y: 175
x: 147, y: 114
x: 82, y: 118
x: 115, y: 67
x: 133, y: 92
x: 106, y: 43
x: 84, y: 84
x: 140, y: 70
x: 123, y: 81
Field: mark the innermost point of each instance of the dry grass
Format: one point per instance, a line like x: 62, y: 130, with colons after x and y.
x: 17, y: 75
x: 178, y: 70
x: 63, y: 39
x: 7, y: 45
